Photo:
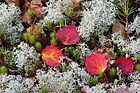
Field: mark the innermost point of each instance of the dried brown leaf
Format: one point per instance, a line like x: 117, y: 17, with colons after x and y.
x: 36, y: 6
x: 26, y: 18
x: 17, y: 2
x: 76, y: 4
x: 106, y: 51
x: 36, y: 2
x: 118, y: 27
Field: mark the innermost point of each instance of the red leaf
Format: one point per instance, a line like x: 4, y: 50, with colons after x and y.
x: 96, y: 63
x: 51, y: 55
x: 68, y: 35
x: 125, y: 65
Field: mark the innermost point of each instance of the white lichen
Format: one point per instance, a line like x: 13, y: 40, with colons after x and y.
x: 135, y: 26
x: 55, y: 9
x: 15, y: 84
x: 134, y: 76
x: 130, y: 45
x: 99, y: 88
x: 10, y: 23
x: 118, y: 39
x: 133, y: 46
x: 63, y: 82
x: 24, y: 55
x: 96, y: 17
x: 83, y: 50
x: 134, y: 87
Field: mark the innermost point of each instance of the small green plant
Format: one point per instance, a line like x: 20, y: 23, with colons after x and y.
x: 74, y: 53
x: 112, y: 71
x: 70, y: 13
x: 138, y: 57
x: 125, y: 9
x: 31, y: 14
x: 49, y: 24
x: 61, y: 23
x: 137, y: 67
x: 3, y: 70
x: 27, y: 71
x: 44, y: 89
x: 93, y: 81
x: 119, y: 52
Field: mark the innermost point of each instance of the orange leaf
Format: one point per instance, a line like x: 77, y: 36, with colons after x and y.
x: 96, y: 63
x: 51, y: 55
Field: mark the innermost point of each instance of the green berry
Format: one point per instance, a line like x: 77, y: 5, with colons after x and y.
x: 137, y: 67
x: 38, y: 46
x: 44, y: 89
x: 138, y: 57
x: 32, y: 39
x: 3, y: 70
x: 25, y: 37
x: 70, y: 13
x: 112, y: 71
x: 53, y: 41
x: 52, y: 34
x: 31, y: 14
x: 49, y: 24
x: 93, y: 81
